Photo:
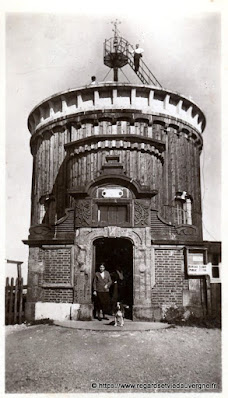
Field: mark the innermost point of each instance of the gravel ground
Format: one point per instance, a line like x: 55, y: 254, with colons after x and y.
x: 49, y: 358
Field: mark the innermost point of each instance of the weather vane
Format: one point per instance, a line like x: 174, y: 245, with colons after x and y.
x: 115, y: 30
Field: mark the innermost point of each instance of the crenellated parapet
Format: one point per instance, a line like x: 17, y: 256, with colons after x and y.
x: 115, y: 96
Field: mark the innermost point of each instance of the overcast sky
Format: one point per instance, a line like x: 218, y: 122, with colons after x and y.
x: 48, y: 53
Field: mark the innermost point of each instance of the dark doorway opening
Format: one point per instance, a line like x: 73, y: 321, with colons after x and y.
x: 117, y: 254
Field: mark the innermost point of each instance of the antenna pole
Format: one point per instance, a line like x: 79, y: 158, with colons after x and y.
x: 115, y: 45
x: 115, y: 74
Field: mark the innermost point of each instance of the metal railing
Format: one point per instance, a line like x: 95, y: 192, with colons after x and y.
x: 144, y: 73
x: 120, y: 45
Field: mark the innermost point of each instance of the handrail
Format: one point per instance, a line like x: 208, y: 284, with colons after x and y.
x: 120, y: 45
x: 143, y: 70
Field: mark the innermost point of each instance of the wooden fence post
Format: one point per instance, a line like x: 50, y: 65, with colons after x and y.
x: 20, y: 300
x: 15, y: 312
x: 11, y: 302
x: 7, y: 301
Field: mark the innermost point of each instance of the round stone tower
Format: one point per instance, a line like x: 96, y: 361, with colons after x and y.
x: 116, y: 178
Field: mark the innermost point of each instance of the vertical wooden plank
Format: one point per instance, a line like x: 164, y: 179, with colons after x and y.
x: 143, y: 169
x: 20, y: 300
x: 180, y: 162
x: 34, y: 200
x: 187, y: 163
x: 79, y: 170
x: 7, y: 301
x: 43, y: 171
x: 15, y: 307
x: 76, y: 170
x: 11, y: 302
x: 40, y: 170
x: 173, y: 172
x: 146, y: 167
x: 63, y: 143
x: 160, y: 179
x: 36, y: 209
x: 151, y: 171
x: 156, y: 178
x: 93, y: 165
x: 197, y: 186
x: 128, y: 161
x: 51, y: 163
x: 47, y: 162
x: 184, y: 154
x: 189, y: 168
x: 72, y: 170
x: 166, y: 166
x: 153, y: 182
x: 193, y: 176
x: 80, y: 132
x: 86, y: 156
x: 47, y: 142
x: 138, y: 164
x: 60, y: 177
x: 65, y: 186
x: 54, y: 156
x: 84, y: 169
x: 56, y: 164
x: 194, y: 191
x: 59, y: 149
x: 90, y: 156
x: 70, y: 166
x: 44, y: 164
x: 99, y: 160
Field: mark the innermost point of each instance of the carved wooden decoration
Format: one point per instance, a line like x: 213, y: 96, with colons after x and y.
x: 83, y: 213
x: 141, y: 213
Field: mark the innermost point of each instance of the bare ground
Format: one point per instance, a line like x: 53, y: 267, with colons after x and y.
x: 48, y: 358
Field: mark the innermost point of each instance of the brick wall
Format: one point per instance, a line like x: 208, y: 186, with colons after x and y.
x: 55, y: 295
x: 169, y: 277
x: 57, y: 265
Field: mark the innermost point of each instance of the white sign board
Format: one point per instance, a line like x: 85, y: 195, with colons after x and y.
x: 112, y: 193
x: 196, y: 264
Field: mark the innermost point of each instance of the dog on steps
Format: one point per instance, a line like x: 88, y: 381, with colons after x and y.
x: 119, y: 313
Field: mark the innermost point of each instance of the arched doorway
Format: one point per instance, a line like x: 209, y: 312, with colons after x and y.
x: 117, y: 253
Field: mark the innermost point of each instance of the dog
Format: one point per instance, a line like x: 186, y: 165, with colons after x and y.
x: 119, y: 313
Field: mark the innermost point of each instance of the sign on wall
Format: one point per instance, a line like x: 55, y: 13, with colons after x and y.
x: 196, y: 263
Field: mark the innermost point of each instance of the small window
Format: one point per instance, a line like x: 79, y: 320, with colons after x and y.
x: 113, y: 214
x: 183, y: 209
x: 47, y: 209
x: 42, y: 213
x: 215, y: 266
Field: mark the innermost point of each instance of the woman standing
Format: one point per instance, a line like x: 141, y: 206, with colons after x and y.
x: 101, y: 284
